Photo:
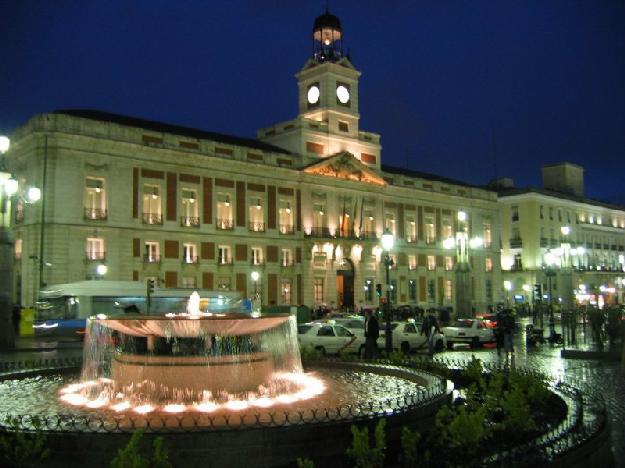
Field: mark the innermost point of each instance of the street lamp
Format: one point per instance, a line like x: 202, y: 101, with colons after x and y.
x: 507, y: 285
x: 256, y: 300
x: 387, y: 245
x: 101, y: 270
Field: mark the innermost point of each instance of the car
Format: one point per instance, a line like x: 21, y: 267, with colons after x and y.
x: 328, y: 338
x: 490, y: 320
x: 471, y: 331
x: 407, y: 337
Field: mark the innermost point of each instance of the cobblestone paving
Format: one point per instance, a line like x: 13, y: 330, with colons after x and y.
x: 607, y: 378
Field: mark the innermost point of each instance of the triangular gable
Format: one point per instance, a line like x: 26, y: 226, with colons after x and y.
x: 345, y: 166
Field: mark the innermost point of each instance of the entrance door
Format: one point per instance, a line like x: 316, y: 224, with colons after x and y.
x: 345, y: 289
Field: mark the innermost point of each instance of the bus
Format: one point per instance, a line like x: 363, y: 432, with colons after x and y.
x: 62, y: 309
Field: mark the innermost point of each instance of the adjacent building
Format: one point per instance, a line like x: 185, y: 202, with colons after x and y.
x: 304, y: 205
x: 559, y: 244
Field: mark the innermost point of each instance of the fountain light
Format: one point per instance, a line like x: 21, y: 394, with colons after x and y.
x: 144, y: 409
x: 123, y: 406
x: 262, y: 402
x: 174, y: 408
x: 236, y: 405
x: 99, y: 403
x: 74, y: 399
x: 206, y: 407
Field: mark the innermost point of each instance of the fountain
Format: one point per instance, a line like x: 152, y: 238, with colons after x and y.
x: 193, y: 361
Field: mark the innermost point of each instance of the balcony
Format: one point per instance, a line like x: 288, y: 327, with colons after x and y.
x: 151, y: 258
x: 258, y: 262
x: 516, y: 243
x: 95, y: 213
x: 255, y: 226
x: 287, y: 229
x: 430, y: 240
x: 224, y: 261
x: 95, y: 256
x: 190, y: 221
x: 190, y: 260
x: 320, y: 232
x: 410, y: 238
x: 544, y: 242
x: 368, y: 235
x: 286, y: 263
x: 225, y: 224
x: 152, y: 218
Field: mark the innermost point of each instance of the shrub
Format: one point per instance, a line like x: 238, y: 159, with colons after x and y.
x: 463, y: 428
x: 305, y: 463
x: 130, y: 456
x: 21, y: 448
x: 409, y: 447
x: 362, y: 453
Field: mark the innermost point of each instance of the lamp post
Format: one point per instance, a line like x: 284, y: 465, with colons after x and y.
x: 507, y: 285
x: 462, y: 244
x: 550, y: 272
x: 387, y: 245
x: 101, y: 270
x: 256, y: 300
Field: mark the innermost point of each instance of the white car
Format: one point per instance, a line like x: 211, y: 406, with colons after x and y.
x: 328, y: 338
x: 407, y: 335
x: 471, y: 331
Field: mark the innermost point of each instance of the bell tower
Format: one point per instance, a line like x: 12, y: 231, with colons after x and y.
x: 328, y: 119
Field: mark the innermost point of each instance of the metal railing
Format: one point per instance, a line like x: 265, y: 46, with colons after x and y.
x: 95, y: 256
x: 225, y: 224
x: 287, y: 229
x: 254, y: 226
x: 151, y: 258
x: 189, y: 221
x: 152, y: 218
x: 191, y: 260
x: 95, y: 213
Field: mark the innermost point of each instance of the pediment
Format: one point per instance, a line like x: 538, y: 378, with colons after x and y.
x: 345, y: 166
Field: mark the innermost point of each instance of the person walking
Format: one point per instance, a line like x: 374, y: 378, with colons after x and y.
x: 504, y: 333
x: 430, y: 329
x: 372, y: 332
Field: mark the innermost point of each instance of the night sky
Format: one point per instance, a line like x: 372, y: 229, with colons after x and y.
x: 464, y: 89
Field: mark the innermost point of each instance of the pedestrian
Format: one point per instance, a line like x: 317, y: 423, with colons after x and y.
x: 372, y: 332
x: 16, y: 317
x: 504, y: 333
x: 430, y: 329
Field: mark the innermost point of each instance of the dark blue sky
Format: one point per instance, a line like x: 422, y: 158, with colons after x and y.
x: 452, y: 86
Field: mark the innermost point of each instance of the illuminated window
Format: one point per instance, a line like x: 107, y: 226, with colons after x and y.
x: 369, y: 286
x: 285, y: 216
x: 412, y: 262
x: 94, y: 248
x: 287, y: 257
x: 18, y: 248
x: 223, y: 283
x: 285, y: 291
x: 189, y: 212
x: 448, y: 289
x: 224, y: 255
x: 224, y: 211
x: 488, y: 264
x: 189, y: 282
x: 189, y: 252
x: 488, y: 236
x: 151, y: 252
x: 430, y: 230
x: 95, y: 198
x: 446, y: 228
x: 256, y: 215
x: 152, y: 211
x: 449, y: 263
x: 412, y: 290
x: 257, y: 256
x: 411, y: 229
x: 431, y: 262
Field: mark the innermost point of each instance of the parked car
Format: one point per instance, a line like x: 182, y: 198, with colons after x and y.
x: 490, y: 320
x: 328, y: 338
x: 471, y: 331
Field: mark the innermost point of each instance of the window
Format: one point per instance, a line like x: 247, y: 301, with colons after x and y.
x: 343, y: 126
x: 431, y: 291
x: 447, y: 229
x: 489, y: 290
x: 369, y: 224
x: 189, y: 253
x: 257, y: 256
x: 325, y: 331
x: 411, y: 229
x: 256, y: 215
x: 189, y: 282
x: 285, y: 216
x: 412, y: 290
x: 542, y: 212
x: 449, y: 263
x: 151, y: 252
x: 369, y: 290
x: 412, y: 262
x: 285, y: 291
x: 224, y: 255
x: 224, y: 211
x: 448, y: 289
x: 318, y: 292
x: 95, y: 199
x: 319, y: 211
x: 559, y: 215
x: 94, y: 248
x: 488, y: 236
x: 431, y: 262
x: 18, y: 249
x: 287, y: 257
x: 389, y: 223
x: 189, y: 213
x: 516, y: 233
x: 152, y: 213
x: 514, y: 211
x: 314, y: 148
x: 430, y: 231
x: 488, y: 264
x: 551, y: 213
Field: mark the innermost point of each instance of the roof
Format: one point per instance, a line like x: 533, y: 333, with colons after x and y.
x: 564, y: 196
x: 427, y: 176
x: 327, y: 20
x: 152, y: 125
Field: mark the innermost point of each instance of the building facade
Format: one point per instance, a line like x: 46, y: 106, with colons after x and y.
x: 558, y: 243
x: 304, y: 205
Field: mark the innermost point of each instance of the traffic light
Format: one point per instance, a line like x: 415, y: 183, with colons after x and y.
x: 378, y: 289
x: 150, y: 284
x: 538, y: 292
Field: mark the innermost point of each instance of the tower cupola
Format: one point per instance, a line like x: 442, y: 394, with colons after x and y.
x: 327, y: 38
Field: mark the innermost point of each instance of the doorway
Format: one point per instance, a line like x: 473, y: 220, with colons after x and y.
x: 345, y: 285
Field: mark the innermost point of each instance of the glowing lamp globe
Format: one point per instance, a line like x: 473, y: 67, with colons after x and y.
x: 387, y: 241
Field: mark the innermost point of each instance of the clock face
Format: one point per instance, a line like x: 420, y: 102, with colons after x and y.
x: 313, y: 94
x: 342, y: 93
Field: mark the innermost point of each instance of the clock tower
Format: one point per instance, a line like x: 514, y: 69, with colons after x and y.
x: 328, y: 119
